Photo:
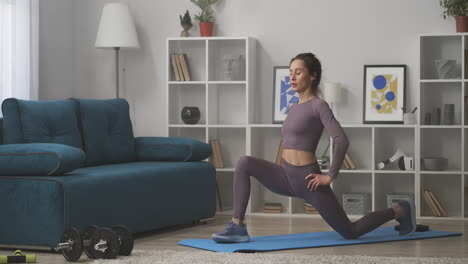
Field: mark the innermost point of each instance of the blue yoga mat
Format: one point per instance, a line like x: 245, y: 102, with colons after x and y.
x: 310, y: 240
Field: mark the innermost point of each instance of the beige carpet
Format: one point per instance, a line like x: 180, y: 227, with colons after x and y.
x: 207, y: 257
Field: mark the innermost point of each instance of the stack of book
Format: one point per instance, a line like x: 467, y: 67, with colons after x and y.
x: 272, y: 208
x: 180, y: 67
x: 434, y: 204
x: 309, y: 209
x: 216, y: 157
x: 348, y: 162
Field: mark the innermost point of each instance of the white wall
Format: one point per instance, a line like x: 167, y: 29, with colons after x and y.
x: 56, y: 49
x: 344, y: 34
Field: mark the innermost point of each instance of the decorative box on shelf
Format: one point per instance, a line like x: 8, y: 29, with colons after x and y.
x: 393, y: 198
x: 356, y: 203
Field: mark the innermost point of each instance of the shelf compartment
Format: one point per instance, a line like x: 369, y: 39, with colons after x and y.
x: 227, y: 60
x: 448, y: 194
x: 226, y: 104
x: 389, y: 140
x: 386, y: 183
x: 224, y: 181
x: 181, y: 96
x: 360, y: 147
x: 265, y: 142
x: 261, y: 195
x: 442, y: 143
x: 195, y: 51
x: 436, y: 95
x: 198, y: 133
x: 228, y: 139
x: 353, y: 183
x: 439, y: 48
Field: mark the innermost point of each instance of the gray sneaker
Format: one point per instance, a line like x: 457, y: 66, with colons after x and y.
x: 408, y: 219
x: 232, y: 234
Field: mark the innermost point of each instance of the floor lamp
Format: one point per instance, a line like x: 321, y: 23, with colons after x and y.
x: 332, y: 92
x: 116, y: 31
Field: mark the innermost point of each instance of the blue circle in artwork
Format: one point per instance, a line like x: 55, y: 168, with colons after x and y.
x: 380, y: 82
x: 378, y: 107
x: 390, y: 96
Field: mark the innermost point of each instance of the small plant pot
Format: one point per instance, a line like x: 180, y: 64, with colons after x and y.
x: 206, y: 29
x: 461, y: 23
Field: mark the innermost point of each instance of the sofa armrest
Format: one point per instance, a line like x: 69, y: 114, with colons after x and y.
x: 1, y: 130
x: 171, y: 149
x: 39, y: 159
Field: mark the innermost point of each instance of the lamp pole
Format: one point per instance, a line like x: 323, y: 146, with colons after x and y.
x: 117, y: 71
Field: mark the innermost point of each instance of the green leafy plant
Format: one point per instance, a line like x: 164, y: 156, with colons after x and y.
x: 186, y: 19
x: 206, y: 14
x: 454, y: 7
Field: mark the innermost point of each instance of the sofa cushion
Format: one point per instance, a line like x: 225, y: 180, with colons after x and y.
x: 171, y: 149
x: 107, y: 131
x: 41, y: 122
x: 39, y: 159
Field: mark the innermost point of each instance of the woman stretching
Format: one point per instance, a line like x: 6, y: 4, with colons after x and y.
x: 299, y: 174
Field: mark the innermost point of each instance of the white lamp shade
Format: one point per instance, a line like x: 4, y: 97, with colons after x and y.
x: 116, y: 28
x: 332, y: 92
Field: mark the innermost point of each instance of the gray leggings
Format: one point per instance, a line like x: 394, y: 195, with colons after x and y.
x: 287, y: 179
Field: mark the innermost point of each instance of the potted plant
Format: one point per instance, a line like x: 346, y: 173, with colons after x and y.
x: 186, y: 23
x: 205, y: 17
x: 457, y: 9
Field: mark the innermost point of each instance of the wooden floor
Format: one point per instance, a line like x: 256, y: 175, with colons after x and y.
x: 456, y: 247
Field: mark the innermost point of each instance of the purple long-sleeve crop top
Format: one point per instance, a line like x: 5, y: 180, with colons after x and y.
x: 303, y: 128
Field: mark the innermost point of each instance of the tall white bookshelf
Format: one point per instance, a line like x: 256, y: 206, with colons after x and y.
x: 224, y: 104
x: 230, y: 113
x: 443, y: 140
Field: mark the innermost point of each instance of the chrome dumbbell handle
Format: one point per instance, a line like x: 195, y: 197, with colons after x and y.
x: 101, y: 246
x: 64, y: 245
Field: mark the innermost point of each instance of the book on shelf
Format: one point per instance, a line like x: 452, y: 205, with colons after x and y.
x: 183, y: 64
x: 431, y: 204
x: 435, y: 205
x: 219, y: 206
x: 438, y: 204
x: 179, y: 67
x: 345, y: 164
x: 309, y: 209
x: 272, y: 208
x: 174, y: 67
x: 280, y: 152
x: 216, y: 156
x: 350, y: 161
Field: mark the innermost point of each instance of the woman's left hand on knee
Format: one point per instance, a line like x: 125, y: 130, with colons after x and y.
x: 315, y: 180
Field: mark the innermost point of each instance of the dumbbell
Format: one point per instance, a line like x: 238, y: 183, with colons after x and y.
x: 125, y: 239
x: 95, y: 242
x: 18, y: 258
x: 104, y: 243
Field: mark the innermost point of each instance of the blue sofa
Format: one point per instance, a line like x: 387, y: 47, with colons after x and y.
x: 75, y: 163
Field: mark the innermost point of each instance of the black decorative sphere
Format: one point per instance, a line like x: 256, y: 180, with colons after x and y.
x: 190, y: 115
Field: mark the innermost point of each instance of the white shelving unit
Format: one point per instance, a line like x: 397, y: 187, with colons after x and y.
x: 443, y: 140
x: 223, y: 103
x: 234, y: 113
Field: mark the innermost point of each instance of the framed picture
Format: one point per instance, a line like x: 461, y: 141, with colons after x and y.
x: 283, y: 94
x: 384, y: 94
